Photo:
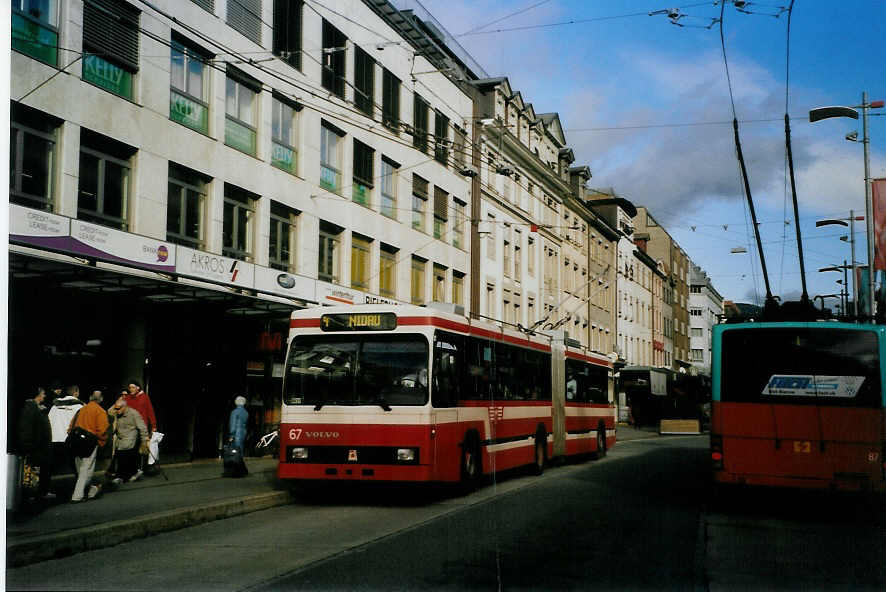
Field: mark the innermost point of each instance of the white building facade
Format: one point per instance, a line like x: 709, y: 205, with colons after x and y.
x: 705, y: 311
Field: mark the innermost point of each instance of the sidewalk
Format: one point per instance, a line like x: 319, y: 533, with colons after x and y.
x: 194, y: 493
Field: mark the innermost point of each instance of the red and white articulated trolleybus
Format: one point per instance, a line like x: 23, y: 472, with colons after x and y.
x: 412, y: 394
x: 799, y: 404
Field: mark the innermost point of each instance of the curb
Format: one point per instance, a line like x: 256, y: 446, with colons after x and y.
x: 53, y: 546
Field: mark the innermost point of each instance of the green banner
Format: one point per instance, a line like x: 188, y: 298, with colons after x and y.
x: 361, y: 194
x: 34, y: 39
x: 188, y: 112
x: 111, y: 77
x: 283, y: 157
x: 240, y: 137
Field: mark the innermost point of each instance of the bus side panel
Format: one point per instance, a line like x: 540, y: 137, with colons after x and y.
x: 507, y: 430
x: 582, y: 420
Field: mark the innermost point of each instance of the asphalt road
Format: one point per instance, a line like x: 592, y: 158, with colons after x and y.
x: 641, y: 518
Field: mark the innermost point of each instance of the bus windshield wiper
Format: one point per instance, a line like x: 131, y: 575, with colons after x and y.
x: 380, y: 401
x: 320, y: 405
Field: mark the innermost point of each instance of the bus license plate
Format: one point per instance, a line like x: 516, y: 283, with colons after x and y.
x: 804, y: 447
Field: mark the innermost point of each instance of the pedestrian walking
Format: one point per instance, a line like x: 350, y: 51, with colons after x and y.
x: 139, y: 400
x: 130, y: 440
x: 35, y: 446
x: 234, y: 465
x: 60, y: 415
x: 94, y: 419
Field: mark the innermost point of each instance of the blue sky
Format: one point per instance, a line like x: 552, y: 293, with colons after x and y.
x: 641, y: 74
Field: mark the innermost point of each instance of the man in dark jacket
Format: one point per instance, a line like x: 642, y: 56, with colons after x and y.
x: 35, y: 440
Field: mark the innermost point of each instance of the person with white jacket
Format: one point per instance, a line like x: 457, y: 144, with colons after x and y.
x: 61, y: 414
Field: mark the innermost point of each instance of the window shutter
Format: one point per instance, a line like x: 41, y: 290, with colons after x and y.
x: 207, y: 5
x: 419, y: 187
x: 441, y: 204
x: 245, y: 17
x: 110, y: 29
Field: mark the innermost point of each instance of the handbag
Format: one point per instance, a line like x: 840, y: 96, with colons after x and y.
x: 30, y: 477
x: 81, y: 442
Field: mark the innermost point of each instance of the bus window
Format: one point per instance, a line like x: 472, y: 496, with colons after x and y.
x: 834, y: 367
x: 448, y: 363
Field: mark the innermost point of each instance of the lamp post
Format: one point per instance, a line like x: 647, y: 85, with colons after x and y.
x: 844, y: 290
x: 828, y: 112
x: 823, y: 296
x: 850, y: 222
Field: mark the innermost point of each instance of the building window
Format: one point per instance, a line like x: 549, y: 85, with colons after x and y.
x: 188, y: 104
x: 244, y: 16
x: 439, y: 288
x: 104, y: 185
x: 238, y: 223
x: 695, y: 289
x: 329, y: 252
x: 419, y: 197
x: 364, y: 82
x: 460, y: 147
x: 330, y: 157
x: 530, y: 255
x: 490, y: 237
x: 390, y: 100
x: 458, y: 226
x: 518, y: 263
x: 458, y: 287
x: 506, y: 258
x: 441, y: 212
x: 32, y: 158
x: 389, y: 187
x: 417, y: 292
x: 35, y: 29
x: 360, y: 250
x: 491, y: 309
x: 696, y: 312
x: 284, y: 135
x: 441, y: 138
x: 695, y: 332
x: 334, y: 49
x: 287, y: 31
x: 185, y: 207
x: 362, y: 187
x: 240, y: 118
x: 388, y: 271
x: 420, y: 123
x: 110, y: 45
x: 281, y: 237
x: 697, y: 355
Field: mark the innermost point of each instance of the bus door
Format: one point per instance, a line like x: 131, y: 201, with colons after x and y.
x: 447, y: 378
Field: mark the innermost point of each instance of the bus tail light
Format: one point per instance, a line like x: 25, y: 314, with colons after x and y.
x: 716, y: 452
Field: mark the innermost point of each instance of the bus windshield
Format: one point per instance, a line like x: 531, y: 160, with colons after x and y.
x: 806, y: 366
x: 357, y: 370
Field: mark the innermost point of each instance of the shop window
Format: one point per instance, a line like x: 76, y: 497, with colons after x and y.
x: 330, y: 157
x: 441, y: 138
x: 238, y: 225
x: 458, y: 226
x: 104, y: 182
x: 240, y: 108
x: 389, y: 175
x: 35, y: 29
x: 458, y: 287
x: 188, y: 97
x: 282, y: 237
x: 186, y: 207
x: 439, y: 289
x: 244, y: 16
x: 388, y: 271
x: 390, y: 100
x: 441, y: 213
x: 419, y: 198
x: 417, y: 292
x: 362, y: 185
x: 32, y: 159
x: 334, y: 49
x: 284, y: 135
x: 364, y: 82
x: 287, y: 31
x: 420, y: 123
x: 360, y: 258
x: 329, y: 252
x: 111, y: 45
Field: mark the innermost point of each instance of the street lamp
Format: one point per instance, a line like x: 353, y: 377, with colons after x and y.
x: 850, y: 222
x: 828, y: 112
x: 844, y: 290
x: 823, y: 296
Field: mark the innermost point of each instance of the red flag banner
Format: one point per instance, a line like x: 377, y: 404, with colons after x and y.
x: 878, y: 197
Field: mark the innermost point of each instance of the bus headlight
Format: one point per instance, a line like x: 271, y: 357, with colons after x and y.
x: 298, y: 453
x: 406, y: 454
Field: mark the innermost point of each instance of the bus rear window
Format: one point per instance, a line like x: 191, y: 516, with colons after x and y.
x: 834, y: 367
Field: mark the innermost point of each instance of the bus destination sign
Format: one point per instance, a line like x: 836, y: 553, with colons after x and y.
x: 381, y: 321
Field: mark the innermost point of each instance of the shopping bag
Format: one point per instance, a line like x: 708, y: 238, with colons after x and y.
x: 30, y: 478
x: 154, y: 447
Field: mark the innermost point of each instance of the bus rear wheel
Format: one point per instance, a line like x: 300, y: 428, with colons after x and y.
x: 601, y: 442
x: 541, y: 454
x: 470, y: 464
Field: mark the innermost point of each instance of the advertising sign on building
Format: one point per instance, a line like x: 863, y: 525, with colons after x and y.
x: 284, y: 284
x: 332, y: 294
x: 215, y: 268
x: 108, y: 244
x: 38, y: 228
